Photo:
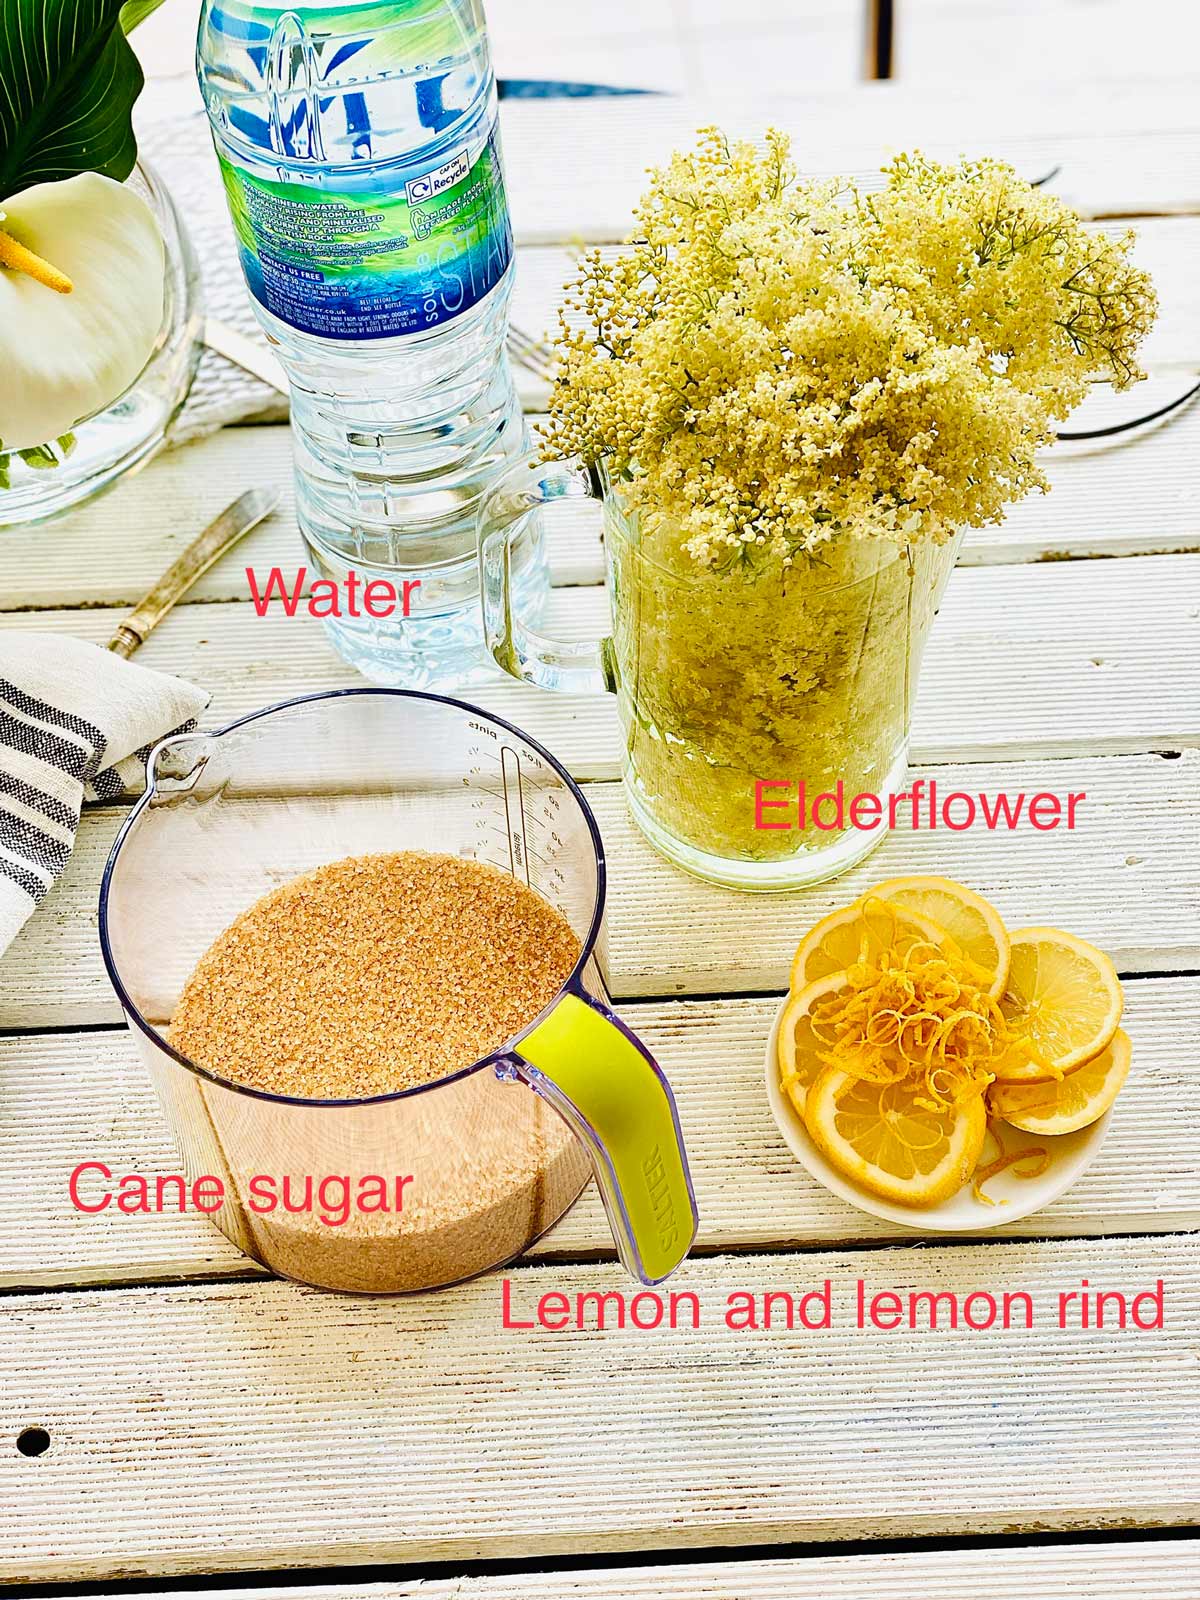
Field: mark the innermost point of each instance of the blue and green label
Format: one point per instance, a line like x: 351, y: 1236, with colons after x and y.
x: 370, y: 266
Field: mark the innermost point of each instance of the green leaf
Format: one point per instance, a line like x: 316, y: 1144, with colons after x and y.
x: 135, y: 11
x: 4, y: 482
x: 68, y: 81
x: 41, y: 456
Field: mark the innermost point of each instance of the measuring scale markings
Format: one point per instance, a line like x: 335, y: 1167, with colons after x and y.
x: 528, y: 828
x: 514, y: 812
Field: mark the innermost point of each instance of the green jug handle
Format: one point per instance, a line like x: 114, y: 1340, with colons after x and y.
x: 606, y: 1085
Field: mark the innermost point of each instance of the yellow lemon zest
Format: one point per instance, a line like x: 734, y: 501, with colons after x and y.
x: 1006, y: 1159
x: 19, y: 258
x: 918, y: 1015
x: 1022, y: 1048
x: 900, y: 1044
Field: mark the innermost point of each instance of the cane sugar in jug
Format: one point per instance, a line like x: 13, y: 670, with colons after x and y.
x: 365, y: 978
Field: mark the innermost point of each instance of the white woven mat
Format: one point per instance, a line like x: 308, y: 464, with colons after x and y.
x: 180, y: 148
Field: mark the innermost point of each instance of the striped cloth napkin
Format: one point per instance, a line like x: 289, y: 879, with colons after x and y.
x: 76, y: 723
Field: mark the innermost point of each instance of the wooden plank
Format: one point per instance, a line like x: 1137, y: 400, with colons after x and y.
x: 85, y: 1097
x: 112, y: 550
x: 1134, y: 147
x: 621, y: 42
x: 1136, y: 1570
x: 1077, y: 658
x: 1112, y: 497
x: 1137, y: 497
x: 223, y: 1427
x: 618, y: 42
x: 1128, y: 878
x: 704, y: 46
x: 772, y: 47
x: 1130, y: 497
x: 1019, y: 42
x: 764, y: 46
x: 1167, y: 248
x: 1131, y: 148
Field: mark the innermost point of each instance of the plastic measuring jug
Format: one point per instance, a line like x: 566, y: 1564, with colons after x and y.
x: 228, y: 816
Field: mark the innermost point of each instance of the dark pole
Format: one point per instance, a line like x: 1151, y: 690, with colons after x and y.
x: 881, y: 25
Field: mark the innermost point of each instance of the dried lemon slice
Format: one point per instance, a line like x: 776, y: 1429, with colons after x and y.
x: 1078, y: 1100
x: 863, y: 930
x: 975, y: 926
x: 797, y: 1046
x: 1062, y: 1004
x: 878, y: 1135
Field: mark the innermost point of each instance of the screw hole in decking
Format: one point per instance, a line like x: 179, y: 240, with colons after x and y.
x: 33, y: 1441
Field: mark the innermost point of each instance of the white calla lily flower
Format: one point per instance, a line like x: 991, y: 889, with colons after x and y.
x: 82, y: 274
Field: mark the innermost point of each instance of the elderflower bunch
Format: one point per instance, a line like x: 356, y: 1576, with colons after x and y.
x: 774, y: 362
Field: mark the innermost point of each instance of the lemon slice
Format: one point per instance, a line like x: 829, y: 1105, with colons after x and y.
x: 974, y: 925
x: 1080, y: 1099
x: 878, y: 1135
x: 1062, y: 1001
x: 797, y: 1047
x: 868, y: 927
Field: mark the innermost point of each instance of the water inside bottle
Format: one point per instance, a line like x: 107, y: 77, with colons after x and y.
x: 360, y: 155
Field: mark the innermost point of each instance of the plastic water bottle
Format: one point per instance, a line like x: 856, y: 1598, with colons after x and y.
x: 360, y: 153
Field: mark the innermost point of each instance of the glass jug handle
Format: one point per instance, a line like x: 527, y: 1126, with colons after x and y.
x: 608, y: 1087
x: 521, y: 490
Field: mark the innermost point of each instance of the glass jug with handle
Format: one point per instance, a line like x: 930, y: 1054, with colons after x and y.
x: 745, y: 691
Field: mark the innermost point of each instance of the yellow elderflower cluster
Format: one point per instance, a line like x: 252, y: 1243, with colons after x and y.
x: 772, y: 362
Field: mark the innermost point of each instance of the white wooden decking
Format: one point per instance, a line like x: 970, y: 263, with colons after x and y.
x: 206, y: 1420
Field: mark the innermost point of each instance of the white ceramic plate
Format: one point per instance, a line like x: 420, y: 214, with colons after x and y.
x: 1070, y: 1154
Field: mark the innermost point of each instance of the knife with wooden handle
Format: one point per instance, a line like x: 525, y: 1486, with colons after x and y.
x: 221, y: 535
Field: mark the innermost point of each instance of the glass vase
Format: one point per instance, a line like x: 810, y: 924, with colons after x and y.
x: 128, y: 431
x: 746, y: 694
x: 757, y: 702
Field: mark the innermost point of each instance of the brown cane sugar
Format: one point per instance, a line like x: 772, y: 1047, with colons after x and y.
x: 367, y: 976
x: 373, y: 974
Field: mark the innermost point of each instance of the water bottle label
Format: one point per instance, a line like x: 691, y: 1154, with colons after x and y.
x: 349, y: 267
